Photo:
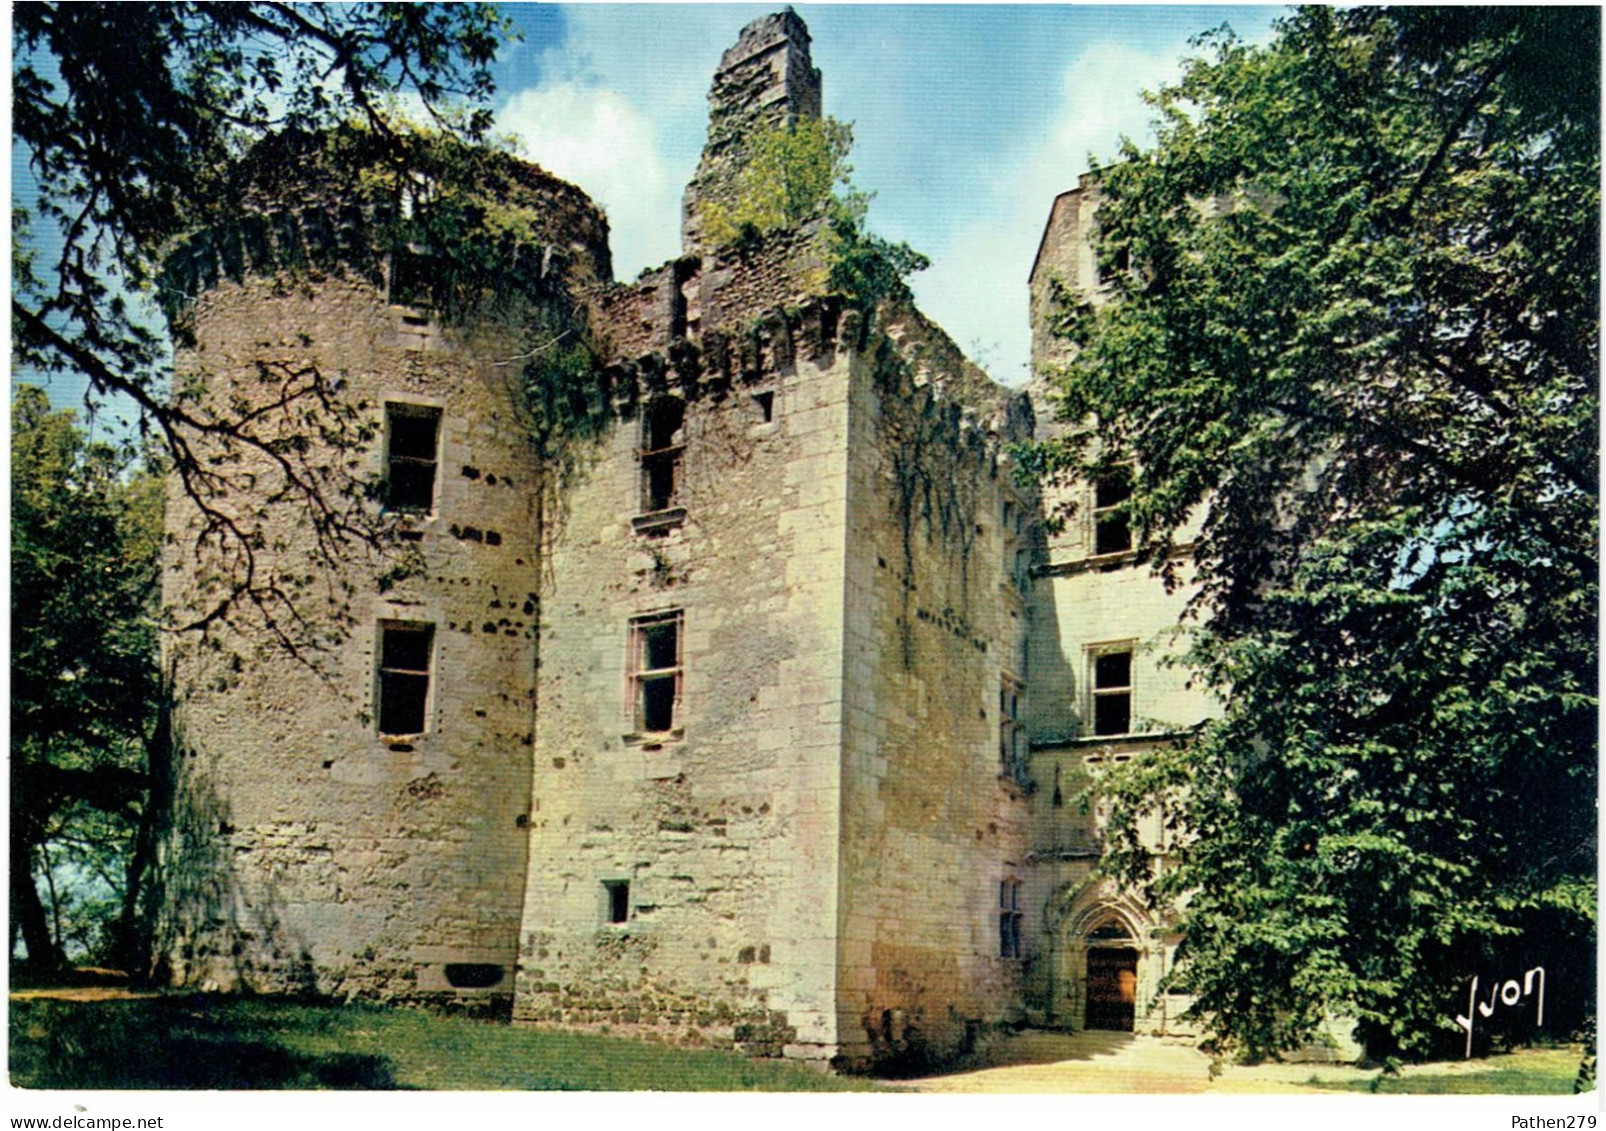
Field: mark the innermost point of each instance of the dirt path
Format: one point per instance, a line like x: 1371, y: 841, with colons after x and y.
x: 1031, y: 1063
x: 1097, y: 1062
x: 84, y: 993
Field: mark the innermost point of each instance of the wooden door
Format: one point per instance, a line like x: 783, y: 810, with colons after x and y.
x: 1112, y: 988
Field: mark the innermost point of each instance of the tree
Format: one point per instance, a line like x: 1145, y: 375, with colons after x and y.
x: 133, y: 119
x: 791, y: 174
x: 1353, y: 312
x: 138, y: 123
x: 85, y: 538
x: 796, y: 173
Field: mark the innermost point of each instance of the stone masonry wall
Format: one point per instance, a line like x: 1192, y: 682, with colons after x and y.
x: 730, y: 291
x: 308, y: 851
x: 934, y: 820
x: 765, y: 79
x: 725, y: 828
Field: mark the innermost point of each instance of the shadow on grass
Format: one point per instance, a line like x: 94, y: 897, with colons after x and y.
x: 175, y: 1043
x: 199, y: 1041
x: 1027, y: 1047
x: 1530, y: 1072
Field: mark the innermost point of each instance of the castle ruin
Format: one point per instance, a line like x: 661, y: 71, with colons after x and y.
x: 760, y: 718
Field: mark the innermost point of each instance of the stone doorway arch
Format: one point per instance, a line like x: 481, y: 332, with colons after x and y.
x: 1108, y: 956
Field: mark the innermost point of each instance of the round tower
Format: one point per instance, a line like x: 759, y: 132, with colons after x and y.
x: 353, y: 562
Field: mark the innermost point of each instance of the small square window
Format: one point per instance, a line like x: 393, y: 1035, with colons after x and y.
x: 405, y: 652
x: 1112, y: 692
x: 655, y: 671
x: 412, y: 454
x: 617, y: 894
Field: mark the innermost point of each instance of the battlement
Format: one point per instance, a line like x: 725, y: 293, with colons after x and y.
x: 301, y: 213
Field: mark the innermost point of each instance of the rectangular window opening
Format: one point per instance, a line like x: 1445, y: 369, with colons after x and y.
x: 412, y: 454
x: 1017, y: 554
x: 656, y: 668
x: 661, y: 450
x: 618, y: 894
x: 1009, y: 919
x: 1112, y: 692
x: 413, y: 274
x: 1011, y: 736
x: 1112, y: 530
x: 404, y: 669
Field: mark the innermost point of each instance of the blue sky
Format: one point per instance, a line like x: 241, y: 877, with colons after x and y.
x: 968, y: 119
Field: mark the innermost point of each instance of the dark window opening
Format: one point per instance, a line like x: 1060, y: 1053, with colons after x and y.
x: 413, y: 272
x: 1120, y: 264
x: 661, y: 448
x: 655, y: 661
x: 618, y: 892
x: 1017, y: 555
x: 657, y: 703
x: 1112, y: 531
x: 1009, y: 919
x: 411, y: 456
x: 404, y: 665
x: 1112, y: 693
x: 663, y: 424
x: 1011, y: 737
x: 658, y: 480
x: 473, y: 975
x: 766, y: 406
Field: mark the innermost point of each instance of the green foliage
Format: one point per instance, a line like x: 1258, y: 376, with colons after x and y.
x: 869, y: 269
x: 1354, y: 314
x: 1537, y: 1072
x: 123, y: 166
x: 85, y: 532
x: 789, y: 175
x: 797, y: 173
x: 197, y: 1042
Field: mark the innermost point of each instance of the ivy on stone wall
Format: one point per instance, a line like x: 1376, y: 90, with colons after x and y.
x: 796, y: 174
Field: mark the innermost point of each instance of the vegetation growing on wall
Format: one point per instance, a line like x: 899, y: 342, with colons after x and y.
x: 798, y: 173
x: 1375, y: 356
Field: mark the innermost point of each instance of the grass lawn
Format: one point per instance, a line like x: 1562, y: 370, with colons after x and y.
x: 198, y: 1042
x: 1526, y: 1072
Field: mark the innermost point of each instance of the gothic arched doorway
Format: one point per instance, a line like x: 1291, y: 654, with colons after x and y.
x: 1112, y: 987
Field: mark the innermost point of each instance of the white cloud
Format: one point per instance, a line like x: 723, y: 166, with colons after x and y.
x: 976, y: 286
x: 599, y: 140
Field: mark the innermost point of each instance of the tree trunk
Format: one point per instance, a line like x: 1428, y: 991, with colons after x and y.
x: 28, y: 911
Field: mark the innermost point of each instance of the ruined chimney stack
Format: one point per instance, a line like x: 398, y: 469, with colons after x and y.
x: 767, y: 78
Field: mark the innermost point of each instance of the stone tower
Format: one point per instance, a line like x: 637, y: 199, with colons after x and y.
x: 349, y: 813
x: 766, y: 79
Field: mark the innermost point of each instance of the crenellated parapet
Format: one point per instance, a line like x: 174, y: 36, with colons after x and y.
x: 313, y: 207
x: 934, y: 380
